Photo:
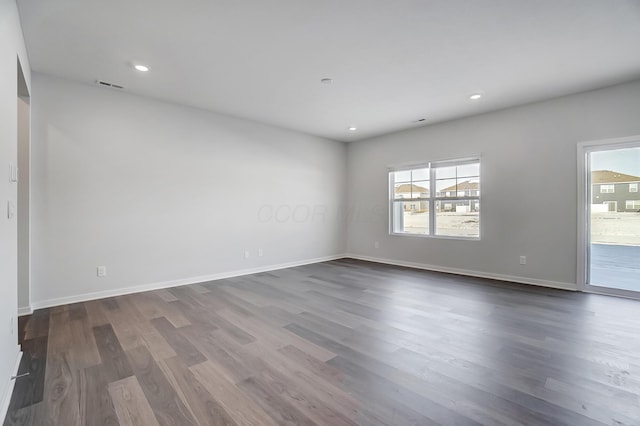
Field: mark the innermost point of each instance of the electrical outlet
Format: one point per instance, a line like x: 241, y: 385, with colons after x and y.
x: 260, y: 252
x: 376, y: 245
x: 523, y: 260
x: 246, y: 254
x: 102, y: 271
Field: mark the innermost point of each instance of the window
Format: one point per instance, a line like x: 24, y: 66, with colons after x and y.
x: 632, y: 205
x: 633, y: 187
x: 436, y: 199
x: 607, y: 189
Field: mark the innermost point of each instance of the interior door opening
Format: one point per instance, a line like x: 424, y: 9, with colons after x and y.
x: 23, y: 210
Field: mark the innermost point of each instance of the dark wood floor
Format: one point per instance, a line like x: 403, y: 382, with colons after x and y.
x: 336, y: 343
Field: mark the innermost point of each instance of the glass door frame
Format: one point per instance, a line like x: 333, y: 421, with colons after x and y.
x: 584, y: 212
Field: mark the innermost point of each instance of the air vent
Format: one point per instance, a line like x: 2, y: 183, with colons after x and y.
x: 107, y: 84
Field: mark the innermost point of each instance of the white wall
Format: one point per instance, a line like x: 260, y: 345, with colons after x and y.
x: 11, y: 47
x: 158, y: 192
x: 529, y: 187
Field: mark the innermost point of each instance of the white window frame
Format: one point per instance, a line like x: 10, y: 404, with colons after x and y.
x: 609, y: 186
x: 584, y: 150
x: 633, y: 187
x: 636, y: 204
x: 433, y: 197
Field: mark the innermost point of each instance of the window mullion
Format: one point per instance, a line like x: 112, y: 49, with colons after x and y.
x: 432, y: 204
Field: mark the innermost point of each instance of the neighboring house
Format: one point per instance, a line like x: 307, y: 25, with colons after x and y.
x: 407, y: 190
x: 463, y: 189
x: 620, y: 192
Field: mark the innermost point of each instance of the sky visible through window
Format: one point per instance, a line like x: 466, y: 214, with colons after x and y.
x: 625, y: 161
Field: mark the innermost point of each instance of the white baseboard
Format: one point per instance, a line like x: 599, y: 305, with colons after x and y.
x: 479, y: 274
x: 25, y: 310
x: 175, y: 283
x: 8, y: 391
x: 195, y: 280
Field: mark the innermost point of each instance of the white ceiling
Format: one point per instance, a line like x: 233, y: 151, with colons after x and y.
x: 392, y: 61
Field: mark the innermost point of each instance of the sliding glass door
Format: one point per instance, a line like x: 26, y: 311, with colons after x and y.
x: 611, y: 207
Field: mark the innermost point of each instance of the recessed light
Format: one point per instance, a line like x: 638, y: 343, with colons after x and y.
x: 326, y: 81
x: 475, y: 96
x: 141, y: 68
x: 353, y: 128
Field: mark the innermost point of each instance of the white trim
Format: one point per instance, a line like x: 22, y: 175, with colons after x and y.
x: 617, y: 292
x: 25, y: 310
x: 634, y: 202
x: 584, y: 148
x: 6, y: 397
x: 433, y: 198
x: 583, y: 209
x: 429, y: 164
x: 205, y: 278
x: 175, y: 283
x: 510, y: 278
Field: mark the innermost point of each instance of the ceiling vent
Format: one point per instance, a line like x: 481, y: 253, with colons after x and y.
x: 107, y: 84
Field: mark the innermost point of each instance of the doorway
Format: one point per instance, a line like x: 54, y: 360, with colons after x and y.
x: 24, y: 196
x: 609, y: 220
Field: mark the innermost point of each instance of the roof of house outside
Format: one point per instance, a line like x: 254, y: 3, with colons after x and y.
x: 463, y: 186
x: 607, y: 176
x: 406, y: 187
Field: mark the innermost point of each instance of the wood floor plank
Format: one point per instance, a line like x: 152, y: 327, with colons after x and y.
x: 60, y: 337
x: 243, y: 409
x: 166, y: 295
x: 96, y: 313
x: 38, y: 325
x: 133, y: 330
x: 319, y: 401
x: 322, y: 402
x: 96, y: 405
x: 114, y: 361
x: 196, y: 314
x: 205, y: 409
x: 77, y: 311
x: 85, y: 350
x: 60, y: 403
x: 219, y: 348
x: 167, y: 405
x: 152, y: 306
x: 273, y: 404
x: 343, y: 342
x: 231, y: 329
x: 131, y: 406
x: 277, y: 337
x: 189, y: 354
x: 29, y: 390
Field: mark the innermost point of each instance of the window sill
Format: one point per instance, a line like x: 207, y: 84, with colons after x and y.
x: 438, y: 237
